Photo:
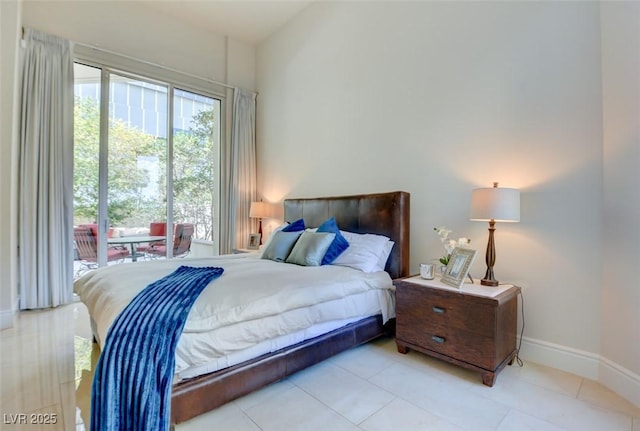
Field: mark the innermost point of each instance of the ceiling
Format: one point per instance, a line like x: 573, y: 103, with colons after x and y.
x: 247, y: 20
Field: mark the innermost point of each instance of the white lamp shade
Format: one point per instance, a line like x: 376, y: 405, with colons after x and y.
x: 260, y: 210
x: 495, y: 203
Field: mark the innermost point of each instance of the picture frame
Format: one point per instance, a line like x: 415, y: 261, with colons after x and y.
x: 254, y: 241
x: 458, y: 266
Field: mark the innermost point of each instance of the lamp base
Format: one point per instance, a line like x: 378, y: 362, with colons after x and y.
x: 488, y: 279
x: 490, y: 258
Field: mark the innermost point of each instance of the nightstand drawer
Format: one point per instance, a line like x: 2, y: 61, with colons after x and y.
x: 429, y: 308
x: 462, y: 345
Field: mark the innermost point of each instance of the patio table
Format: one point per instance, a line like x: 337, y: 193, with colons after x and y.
x: 133, y: 241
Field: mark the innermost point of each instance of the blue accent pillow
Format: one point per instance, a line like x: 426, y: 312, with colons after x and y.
x: 296, y: 226
x: 339, y: 243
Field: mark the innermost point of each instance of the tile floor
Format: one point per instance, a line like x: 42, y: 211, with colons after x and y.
x: 46, y: 362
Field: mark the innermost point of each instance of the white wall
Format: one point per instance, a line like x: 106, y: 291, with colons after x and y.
x: 9, y: 37
x: 131, y: 29
x: 144, y: 33
x: 241, y: 64
x: 438, y: 98
x: 620, y: 24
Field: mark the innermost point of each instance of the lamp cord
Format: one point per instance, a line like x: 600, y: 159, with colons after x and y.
x: 517, y: 358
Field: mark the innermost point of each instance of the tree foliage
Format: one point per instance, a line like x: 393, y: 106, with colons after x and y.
x: 193, y: 176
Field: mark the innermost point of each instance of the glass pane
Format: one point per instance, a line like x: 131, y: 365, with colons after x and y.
x: 196, y: 132
x: 85, y: 171
x: 137, y: 160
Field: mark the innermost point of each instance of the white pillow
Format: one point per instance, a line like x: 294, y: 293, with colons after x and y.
x: 384, y: 256
x: 264, y: 246
x: 365, y: 252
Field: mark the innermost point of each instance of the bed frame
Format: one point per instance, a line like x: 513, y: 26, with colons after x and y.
x: 384, y: 214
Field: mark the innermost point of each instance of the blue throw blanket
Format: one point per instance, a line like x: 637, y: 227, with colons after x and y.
x: 133, y: 378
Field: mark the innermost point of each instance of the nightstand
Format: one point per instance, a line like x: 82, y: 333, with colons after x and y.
x: 473, y: 327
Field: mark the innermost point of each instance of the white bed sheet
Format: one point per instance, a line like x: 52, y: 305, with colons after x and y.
x: 370, y: 300
x: 267, y: 346
x: 255, y: 307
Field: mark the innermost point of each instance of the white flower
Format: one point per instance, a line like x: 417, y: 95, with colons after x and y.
x: 449, y: 244
x: 463, y: 242
x: 442, y: 232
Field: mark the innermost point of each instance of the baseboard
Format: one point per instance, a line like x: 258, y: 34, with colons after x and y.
x: 585, y: 364
x: 564, y: 358
x: 6, y: 319
x: 620, y: 380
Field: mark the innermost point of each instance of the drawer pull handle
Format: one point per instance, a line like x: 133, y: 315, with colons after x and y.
x: 438, y: 310
x: 438, y: 339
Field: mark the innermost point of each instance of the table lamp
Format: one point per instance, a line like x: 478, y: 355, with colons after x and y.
x: 494, y: 204
x: 259, y: 210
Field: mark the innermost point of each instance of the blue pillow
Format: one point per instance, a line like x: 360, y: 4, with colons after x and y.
x: 281, y: 245
x: 296, y: 226
x: 310, y: 248
x: 339, y: 243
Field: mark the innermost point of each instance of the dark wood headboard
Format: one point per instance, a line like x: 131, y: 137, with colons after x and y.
x: 385, y: 214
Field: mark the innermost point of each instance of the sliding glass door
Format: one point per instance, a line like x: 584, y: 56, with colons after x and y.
x: 139, y: 184
x: 137, y: 160
x: 86, y: 168
x: 196, y: 130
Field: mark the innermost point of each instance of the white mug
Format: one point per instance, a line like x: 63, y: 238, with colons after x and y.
x: 426, y: 271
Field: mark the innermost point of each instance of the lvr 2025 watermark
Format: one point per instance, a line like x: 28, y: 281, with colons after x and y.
x: 29, y: 418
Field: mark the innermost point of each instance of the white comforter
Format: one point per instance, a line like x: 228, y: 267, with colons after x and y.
x: 253, y: 301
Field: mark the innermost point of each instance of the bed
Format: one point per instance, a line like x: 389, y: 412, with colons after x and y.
x: 199, y: 389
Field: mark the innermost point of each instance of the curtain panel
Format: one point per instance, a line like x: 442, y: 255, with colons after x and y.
x: 242, y: 182
x: 45, y: 172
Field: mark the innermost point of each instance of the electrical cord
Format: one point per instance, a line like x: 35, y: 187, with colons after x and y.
x: 517, y: 358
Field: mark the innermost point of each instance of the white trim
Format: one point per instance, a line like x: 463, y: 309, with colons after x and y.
x: 620, y: 380
x: 150, y: 64
x: 6, y: 319
x: 585, y: 364
x: 564, y: 358
x: 145, y: 70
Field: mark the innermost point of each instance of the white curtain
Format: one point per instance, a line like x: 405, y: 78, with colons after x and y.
x: 241, y: 184
x: 45, y: 183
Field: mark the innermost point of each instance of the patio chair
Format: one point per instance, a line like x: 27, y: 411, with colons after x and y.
x: 94, y: 229
x: 87, y: 246
x: 182, y: 233
x: 155, y: 229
